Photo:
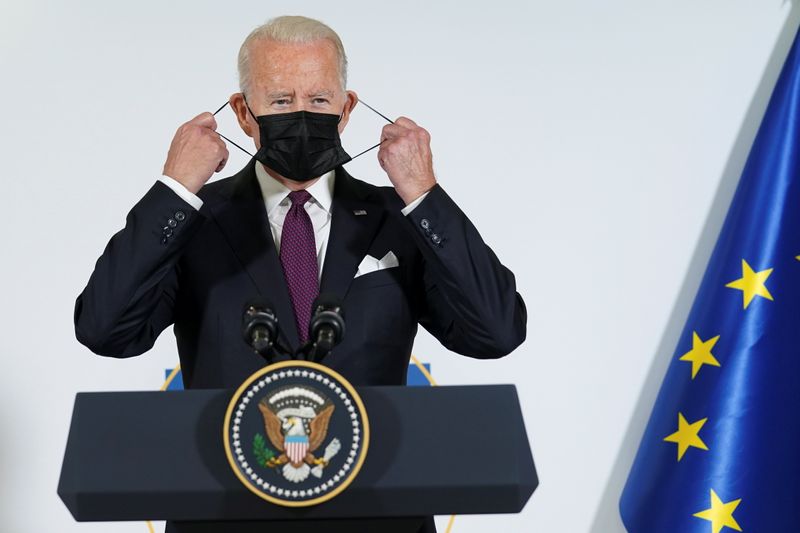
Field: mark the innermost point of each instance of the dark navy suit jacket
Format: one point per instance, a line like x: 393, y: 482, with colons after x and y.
x: 199, y: 275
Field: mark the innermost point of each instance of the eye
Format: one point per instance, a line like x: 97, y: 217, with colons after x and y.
x: 319, y: 101
x: 281, y: 101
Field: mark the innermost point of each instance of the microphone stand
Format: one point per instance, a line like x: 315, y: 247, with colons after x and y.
x: 314, y: 351
x: 277, y: 350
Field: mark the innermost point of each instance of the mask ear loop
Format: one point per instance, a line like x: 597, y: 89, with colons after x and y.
x: 390, y: 121
x: 387, y: 119
x: 248, y: 108
x: 230, y: 141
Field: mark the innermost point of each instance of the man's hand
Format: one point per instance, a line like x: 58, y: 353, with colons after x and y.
x: 406, y: 157
x: 196, y: 153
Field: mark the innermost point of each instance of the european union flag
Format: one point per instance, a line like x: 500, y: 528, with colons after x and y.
x: 721, y: 451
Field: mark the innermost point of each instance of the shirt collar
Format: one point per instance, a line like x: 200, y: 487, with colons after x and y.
x: 274, y: 192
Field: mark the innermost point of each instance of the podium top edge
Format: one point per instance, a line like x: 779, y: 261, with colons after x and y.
x: 362, y: 387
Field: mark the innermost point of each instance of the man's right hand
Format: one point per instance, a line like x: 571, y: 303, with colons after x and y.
x: 196, y: 153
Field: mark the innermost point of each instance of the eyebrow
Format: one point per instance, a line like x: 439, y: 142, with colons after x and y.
x: 288, y: 94
x: 279, y: 94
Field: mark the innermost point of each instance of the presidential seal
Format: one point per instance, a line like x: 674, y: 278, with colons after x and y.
x: 296, y: 433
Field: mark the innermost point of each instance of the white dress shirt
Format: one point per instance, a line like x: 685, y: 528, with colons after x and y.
x: 276, y: 200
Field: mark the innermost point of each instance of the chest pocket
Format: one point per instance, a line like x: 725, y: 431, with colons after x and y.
x: 377, y: 278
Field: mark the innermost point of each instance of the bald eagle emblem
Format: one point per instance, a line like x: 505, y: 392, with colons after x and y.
x: 296, y: 433
x: 296, y: 423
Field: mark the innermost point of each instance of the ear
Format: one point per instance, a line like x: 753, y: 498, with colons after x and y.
x: 246, y: 121
x: 349, y: 104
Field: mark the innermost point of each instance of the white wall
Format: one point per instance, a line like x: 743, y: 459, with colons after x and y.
x: 595, y: 145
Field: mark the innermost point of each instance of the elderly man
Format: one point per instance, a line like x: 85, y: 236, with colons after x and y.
x: 293, y: 223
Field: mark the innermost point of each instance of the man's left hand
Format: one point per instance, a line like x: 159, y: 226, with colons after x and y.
x: 406, y: 157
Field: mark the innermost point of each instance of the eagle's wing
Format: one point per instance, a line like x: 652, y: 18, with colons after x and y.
x: 319, y: 428
x: 273, y: 426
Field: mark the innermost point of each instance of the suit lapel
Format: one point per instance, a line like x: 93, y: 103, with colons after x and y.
x: 354, y: 222
x: 243, y: 220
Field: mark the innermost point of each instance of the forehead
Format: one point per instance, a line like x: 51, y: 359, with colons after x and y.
x: 293, y: 66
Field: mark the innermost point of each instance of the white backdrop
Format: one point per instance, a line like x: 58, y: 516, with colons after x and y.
x: 594, y: 144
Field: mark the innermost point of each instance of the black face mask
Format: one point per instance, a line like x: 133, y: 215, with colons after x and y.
x: 301, y: 145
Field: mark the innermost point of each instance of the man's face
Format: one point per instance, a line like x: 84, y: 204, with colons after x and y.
x: 288, y: 77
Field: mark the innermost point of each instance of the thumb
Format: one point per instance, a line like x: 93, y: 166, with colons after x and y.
x: 205, y: 119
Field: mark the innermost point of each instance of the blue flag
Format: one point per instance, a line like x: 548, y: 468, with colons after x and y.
x: 721, y: 452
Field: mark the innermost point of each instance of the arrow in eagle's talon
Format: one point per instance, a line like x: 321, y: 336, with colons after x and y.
x: 332, y: 449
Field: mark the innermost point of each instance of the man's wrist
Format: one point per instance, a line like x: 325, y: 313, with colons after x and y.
x: 186, y: 195
x: 413, y: 205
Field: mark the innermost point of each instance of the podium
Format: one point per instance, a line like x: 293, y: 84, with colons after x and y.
x: 433, y: 451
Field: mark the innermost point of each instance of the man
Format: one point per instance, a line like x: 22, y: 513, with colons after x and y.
x: 192, y: 253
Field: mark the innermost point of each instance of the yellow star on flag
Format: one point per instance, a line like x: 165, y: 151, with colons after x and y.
x: 720, y: 514
x: 687, y: 435
x: 751, y: 284
x: 700, y: 354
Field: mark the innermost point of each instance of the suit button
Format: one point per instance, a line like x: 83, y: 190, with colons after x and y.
x: 167, y: 231
x: 172, y: 223
x: 180, y: 216
x: 424, y: 223
x: 436, y: 239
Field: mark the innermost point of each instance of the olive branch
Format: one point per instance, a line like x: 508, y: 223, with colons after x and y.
x: 260, y: 449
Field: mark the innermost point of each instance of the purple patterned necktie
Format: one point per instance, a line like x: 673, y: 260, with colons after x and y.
x: 299, y: 261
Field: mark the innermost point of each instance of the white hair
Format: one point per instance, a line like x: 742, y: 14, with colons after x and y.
x: 290, y: 29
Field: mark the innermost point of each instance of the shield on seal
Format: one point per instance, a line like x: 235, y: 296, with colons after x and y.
x: 296, y: 447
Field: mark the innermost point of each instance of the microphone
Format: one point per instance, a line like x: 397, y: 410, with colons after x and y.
x: 326, y: 328
x: 260, y: 328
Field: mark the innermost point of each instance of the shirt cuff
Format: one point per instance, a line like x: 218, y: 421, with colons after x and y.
x: 410, y: 207
x: 187, y: 196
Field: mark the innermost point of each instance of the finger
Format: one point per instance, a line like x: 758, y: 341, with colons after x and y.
x: 381, y: 154
x: 205, y: 120
x: 406, y: 123
x: 392, y: 131
x: 225, y: 154
x: 221, y: 146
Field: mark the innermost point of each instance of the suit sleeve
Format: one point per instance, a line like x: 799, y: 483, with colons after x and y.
x: 471, y: 304
x: 130, y: 297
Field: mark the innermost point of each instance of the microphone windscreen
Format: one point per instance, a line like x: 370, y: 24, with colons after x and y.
x: 327, y: 301
x: 259, y: 303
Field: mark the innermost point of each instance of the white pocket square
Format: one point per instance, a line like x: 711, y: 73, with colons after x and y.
x: 371, y: 264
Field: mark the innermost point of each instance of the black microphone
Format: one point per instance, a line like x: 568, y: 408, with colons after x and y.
x: 260, y: 327
x: 326, y: 328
